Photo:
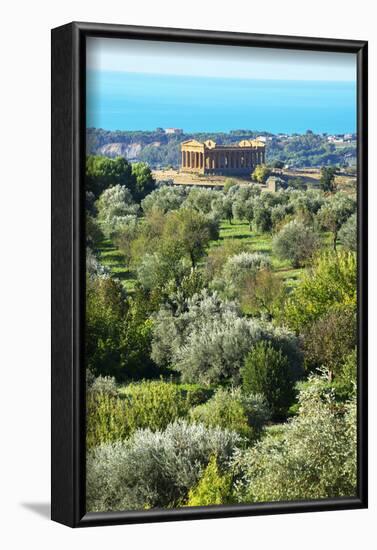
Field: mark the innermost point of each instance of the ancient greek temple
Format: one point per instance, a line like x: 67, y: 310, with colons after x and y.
x: 210, y: 158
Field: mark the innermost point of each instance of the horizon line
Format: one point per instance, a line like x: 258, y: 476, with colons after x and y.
x: 213, y: 77
x: 222, y: 131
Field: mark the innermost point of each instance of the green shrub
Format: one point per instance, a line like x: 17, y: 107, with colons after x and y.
x: 348, y: 373
x: 154, y: 405
x: 154, y: 469
x: 106, y: 307
x: 314, y: 458
x: 332, y: 282
x: 232, y: 410
x: 150, y: 404
x: 329, y: 339
x: 267, y: 371
x: 106, y: 418
x: 213, y: 488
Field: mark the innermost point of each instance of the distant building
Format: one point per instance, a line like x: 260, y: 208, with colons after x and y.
x: 261, y: 138
x: 274, y: 183
x: 335, y: 139
x: 174, y: 131
x: 349, y: 137
x: 209, y: 158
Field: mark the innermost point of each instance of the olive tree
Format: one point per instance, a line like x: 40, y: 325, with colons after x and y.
x: 240, y: 267
x: 206, y: 339
x: 295, y: 242
x: 115, y: 206
x: 165, y: 198
x: 335, y: 212
x: 348, y: 233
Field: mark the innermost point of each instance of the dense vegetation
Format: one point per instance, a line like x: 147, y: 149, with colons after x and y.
x: 162, y: 150
x: 220, y: 342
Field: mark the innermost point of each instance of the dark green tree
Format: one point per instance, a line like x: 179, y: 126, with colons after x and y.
x: 144, y: 182
x: 103, y: 172
x: 267, y: 372
x: 327, y: 179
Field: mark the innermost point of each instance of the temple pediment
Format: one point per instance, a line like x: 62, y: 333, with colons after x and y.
x: 245, y: 143
x: 192, y: 143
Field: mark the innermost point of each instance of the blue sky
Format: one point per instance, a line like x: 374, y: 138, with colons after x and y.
x: 135, y: 84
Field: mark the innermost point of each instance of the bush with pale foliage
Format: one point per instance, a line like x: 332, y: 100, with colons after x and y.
x: 154, y: 469
x: 314, y: 456
x: 206, y: 340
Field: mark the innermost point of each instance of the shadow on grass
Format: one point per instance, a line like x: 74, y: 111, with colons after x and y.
x: 106, y: 245
x: 124, y: 275
x: 235, y: 236
x: 114, y: 258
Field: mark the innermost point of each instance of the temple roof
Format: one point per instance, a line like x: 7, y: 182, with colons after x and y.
x: 251, y: 143
x: 192, y: 142
x: 210, y: 144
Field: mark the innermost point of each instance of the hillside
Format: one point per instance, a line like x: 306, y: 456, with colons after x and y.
x: 161, y: 150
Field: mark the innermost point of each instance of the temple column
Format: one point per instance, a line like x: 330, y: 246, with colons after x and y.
x: 182, y: 159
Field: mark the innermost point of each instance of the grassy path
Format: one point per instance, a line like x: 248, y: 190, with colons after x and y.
x: 114, y: 260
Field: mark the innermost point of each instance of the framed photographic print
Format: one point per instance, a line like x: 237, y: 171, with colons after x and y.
x: 209, y: 274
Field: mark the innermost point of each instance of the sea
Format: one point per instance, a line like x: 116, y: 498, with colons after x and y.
x: 138, y: 101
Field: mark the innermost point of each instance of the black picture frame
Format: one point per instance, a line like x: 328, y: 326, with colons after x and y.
x: 68, y: 271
